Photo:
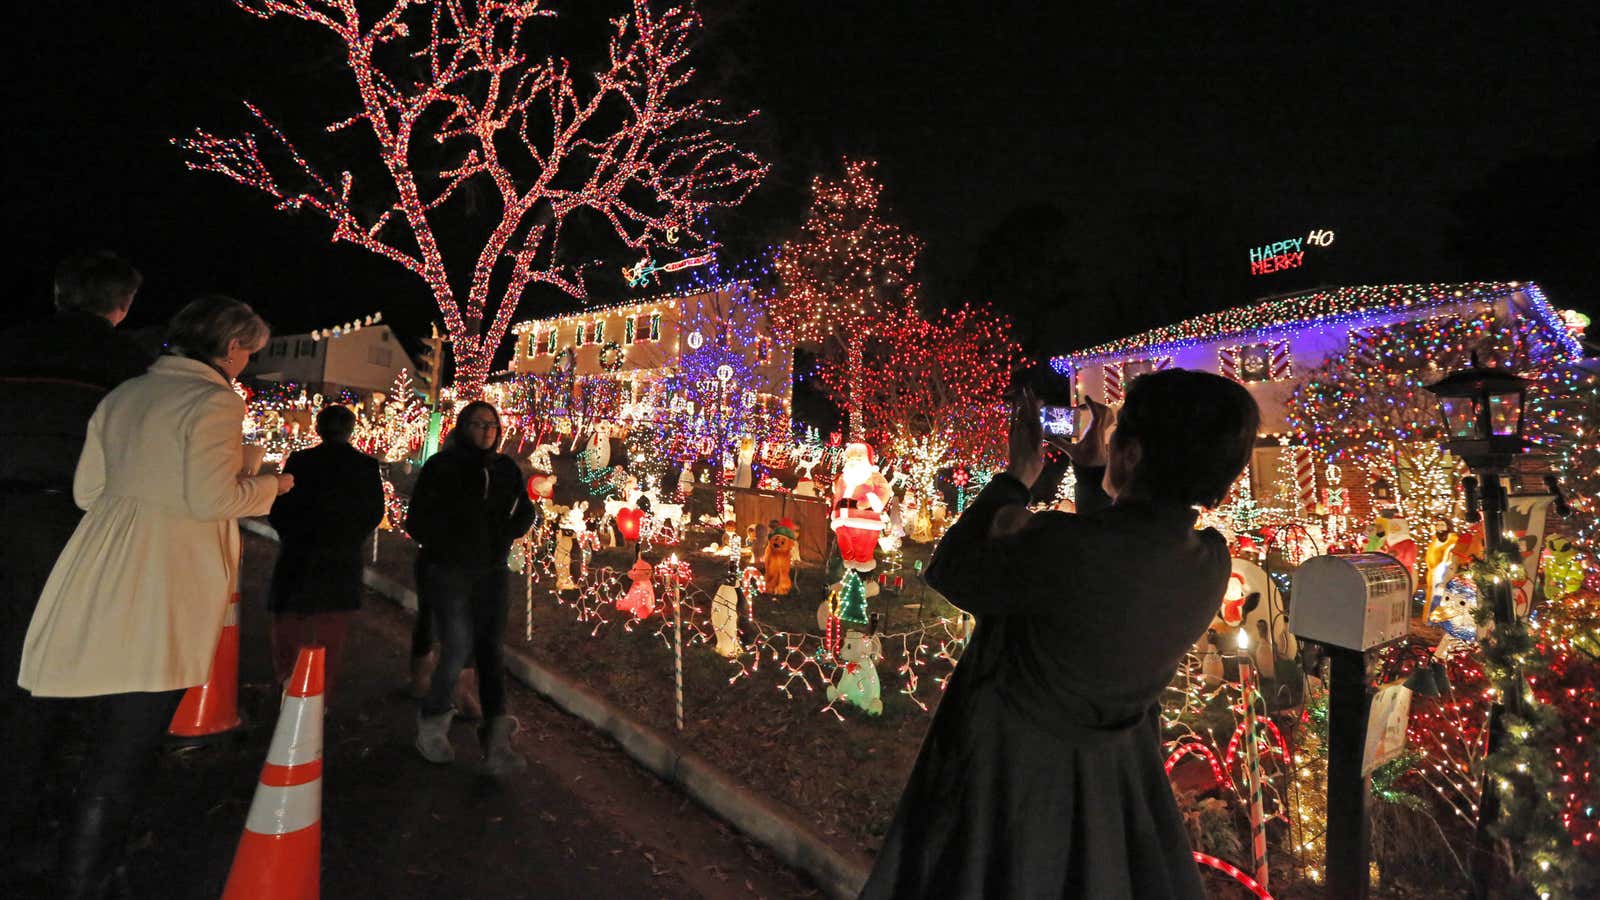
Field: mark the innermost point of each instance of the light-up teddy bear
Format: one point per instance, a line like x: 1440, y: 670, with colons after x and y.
x: 860, y: 494
x: 640, y: 600
x: 858, y: 677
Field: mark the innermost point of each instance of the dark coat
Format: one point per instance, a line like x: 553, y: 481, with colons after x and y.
x: 1041, y: 775
x: 52, y: 375
x: 468, y: 507
x: 324, y: 522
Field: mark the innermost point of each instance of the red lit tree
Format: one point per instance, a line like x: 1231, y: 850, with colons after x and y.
x: 848, y: 273
x: 933, y: 389
x: 454, y: 96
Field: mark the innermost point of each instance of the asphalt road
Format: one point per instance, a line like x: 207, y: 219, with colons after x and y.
x: 582, y: 821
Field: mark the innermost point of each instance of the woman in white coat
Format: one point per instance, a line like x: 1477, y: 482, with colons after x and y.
x: 132, y: 610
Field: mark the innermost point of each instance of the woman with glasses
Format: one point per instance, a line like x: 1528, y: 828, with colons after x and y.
x: 468, y: 507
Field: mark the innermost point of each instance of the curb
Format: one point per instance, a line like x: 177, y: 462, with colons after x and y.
x: 755, y: 817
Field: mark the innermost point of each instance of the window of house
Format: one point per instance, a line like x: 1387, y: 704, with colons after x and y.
x: 550, y: 341
x: 600, y: 331
x: 655, y: 326
x: 306, y: 347
x: 533, y: 344
x: 628, y: 326
x: 763, y: 350
x: 380, y: 356
x: 1251, y: 363
x: 582, y: 330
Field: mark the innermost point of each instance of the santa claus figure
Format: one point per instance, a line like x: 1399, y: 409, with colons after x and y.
x: 860, y: 494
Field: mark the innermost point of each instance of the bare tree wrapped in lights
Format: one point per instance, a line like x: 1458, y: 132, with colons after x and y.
x: 454, y: 95
x: 848, y: 273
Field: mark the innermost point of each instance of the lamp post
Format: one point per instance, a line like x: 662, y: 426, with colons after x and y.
x: 1482, y: 411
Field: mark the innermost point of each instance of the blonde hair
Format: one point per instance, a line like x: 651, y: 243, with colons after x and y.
x: 204, y: 328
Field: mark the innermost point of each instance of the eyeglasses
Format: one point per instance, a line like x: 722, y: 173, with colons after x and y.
x: 480, y: 426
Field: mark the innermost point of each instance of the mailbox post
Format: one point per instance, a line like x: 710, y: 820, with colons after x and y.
x: 1349, y: 604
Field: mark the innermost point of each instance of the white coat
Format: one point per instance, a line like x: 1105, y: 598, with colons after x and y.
x: 136, y: 600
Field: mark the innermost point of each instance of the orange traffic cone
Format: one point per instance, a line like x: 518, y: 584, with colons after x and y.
x: 280, y: 853
x: 211, y: 710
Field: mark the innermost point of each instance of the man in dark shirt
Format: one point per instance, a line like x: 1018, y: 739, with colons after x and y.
x: 316, y: 585
x: 52, y: 375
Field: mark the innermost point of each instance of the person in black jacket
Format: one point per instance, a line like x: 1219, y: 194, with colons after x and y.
x: 1042, y: 772
x: 316, y: 583
x: 468, y: 506
x: 52, y: 375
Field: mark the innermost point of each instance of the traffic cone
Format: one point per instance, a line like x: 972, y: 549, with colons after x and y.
x: 280, y: 852
x: 209, y: 711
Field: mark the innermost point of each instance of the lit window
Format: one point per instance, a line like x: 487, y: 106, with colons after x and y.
x: 581, y: 330
x: 533, y: 344
x: 655, y: 326
x: 628, y: 326
x: 550, y: 341
x: 600, y: 331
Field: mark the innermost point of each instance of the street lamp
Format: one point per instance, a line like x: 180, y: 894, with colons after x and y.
x: 1482, y: 412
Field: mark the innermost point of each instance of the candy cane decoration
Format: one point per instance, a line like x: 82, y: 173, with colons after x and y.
x: 1252, y: 762
x: 1234, y: 872
x: 1305, y: 478
x: 677, y: 642
x: 1228, y: 363
x: 527, y: 566
x: 1282, y: 363
x: 1113, y: 381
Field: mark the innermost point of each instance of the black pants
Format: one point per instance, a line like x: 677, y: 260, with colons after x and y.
x: 469, y: 612
x: 129, y: 731
x: 422, y: 628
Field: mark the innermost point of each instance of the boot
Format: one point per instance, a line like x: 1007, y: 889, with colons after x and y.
x: 498, y: 757
x: 466, y: 696
x: 91, y: 857
x: 433, y: 737
x: 422, y: 673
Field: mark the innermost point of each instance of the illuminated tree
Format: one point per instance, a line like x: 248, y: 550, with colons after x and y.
x: 715, y: 397
x: 934, y: 387
x: 455, y: 95
x: 1369, y: 406
x: 848, y: 273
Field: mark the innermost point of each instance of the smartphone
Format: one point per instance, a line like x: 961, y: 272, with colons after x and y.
x: 1058, y: 421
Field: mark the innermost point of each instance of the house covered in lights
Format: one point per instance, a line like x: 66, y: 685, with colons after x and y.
x: 1338, y: 374
x: 362, y: 357
x: 638, y: 361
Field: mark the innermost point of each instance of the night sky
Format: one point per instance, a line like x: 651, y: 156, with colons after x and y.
x: 1095, y: 172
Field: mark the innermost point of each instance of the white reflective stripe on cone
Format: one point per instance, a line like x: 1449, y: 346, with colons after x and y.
x: 281, y: 810
x: 301, y: 742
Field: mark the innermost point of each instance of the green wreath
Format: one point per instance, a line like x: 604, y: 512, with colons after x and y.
x: 564, y: 361
x: 611, y: 356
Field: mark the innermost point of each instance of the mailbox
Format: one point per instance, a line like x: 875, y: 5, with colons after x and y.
x: 1357, y: 602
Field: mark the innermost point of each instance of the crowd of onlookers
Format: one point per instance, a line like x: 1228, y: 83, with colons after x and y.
x: 122, y: 477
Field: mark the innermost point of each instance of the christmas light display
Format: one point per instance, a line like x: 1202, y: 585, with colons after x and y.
x: 932, y: 392
x: 1339, y: 307
x: 632, y: 146
x: 713, y: 398
x: 848, y: 271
